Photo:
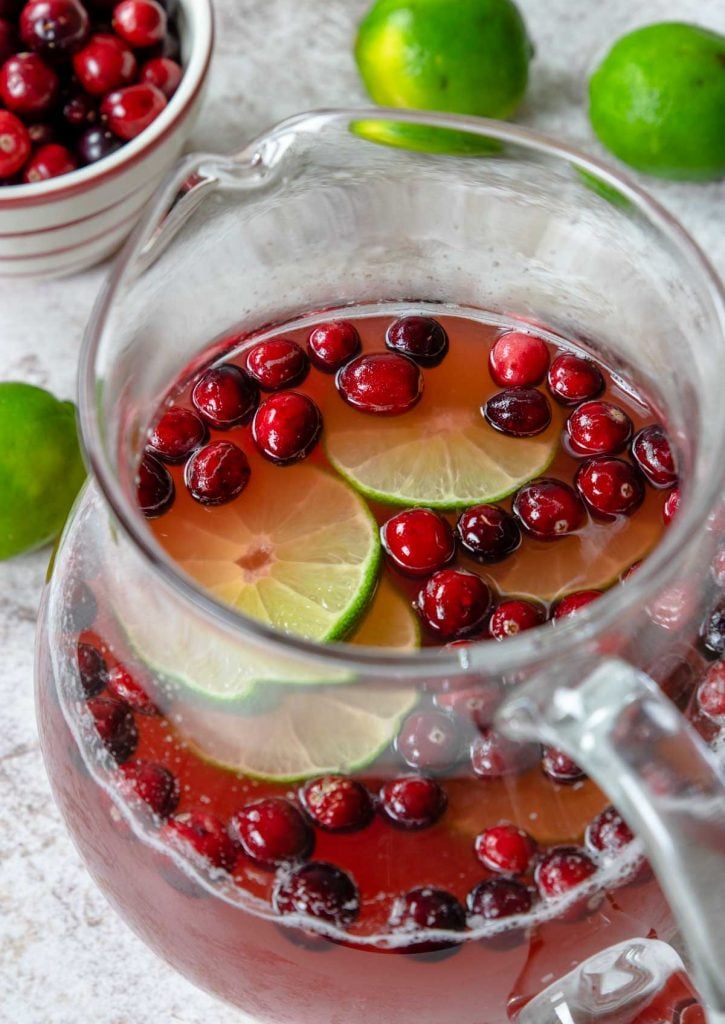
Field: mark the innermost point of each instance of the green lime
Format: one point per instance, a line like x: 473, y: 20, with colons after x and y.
x: 657, y: 101
x: 41, y: 468
x: 389, y: 621
x: 466, y: 57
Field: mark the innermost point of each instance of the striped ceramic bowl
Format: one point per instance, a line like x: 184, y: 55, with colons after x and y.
x: 68, y: 223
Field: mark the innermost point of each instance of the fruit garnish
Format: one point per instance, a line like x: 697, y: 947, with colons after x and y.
x: 389, y: 621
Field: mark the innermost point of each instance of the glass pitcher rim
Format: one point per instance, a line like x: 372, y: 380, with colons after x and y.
x: 489, y: 657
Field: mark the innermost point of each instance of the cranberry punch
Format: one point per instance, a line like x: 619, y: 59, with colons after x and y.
x: 377, y: 439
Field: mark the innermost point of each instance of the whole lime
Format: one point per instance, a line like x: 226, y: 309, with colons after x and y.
x: 657, y: 101
x: 41, y: 468
x: 456, y: 56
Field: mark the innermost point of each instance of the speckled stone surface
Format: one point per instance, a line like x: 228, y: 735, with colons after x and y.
x: 65, y: 958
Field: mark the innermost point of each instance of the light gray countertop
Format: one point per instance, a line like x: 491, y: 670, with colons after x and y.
x: 65, y: 957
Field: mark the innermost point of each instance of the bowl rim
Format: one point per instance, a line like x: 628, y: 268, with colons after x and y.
x: 86, y: 178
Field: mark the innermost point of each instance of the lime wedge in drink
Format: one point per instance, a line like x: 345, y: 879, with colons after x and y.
x: 389, y: 621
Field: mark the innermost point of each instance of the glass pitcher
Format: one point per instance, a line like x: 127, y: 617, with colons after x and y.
x: 316, y: 214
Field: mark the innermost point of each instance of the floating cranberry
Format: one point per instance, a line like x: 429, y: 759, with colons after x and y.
x: 427, y: 908
x: 130, y: 110
x: 27, y: 85
x: 206, y: 835
x: 337, y: 803
x: 125, y: 687
x: 413, y: 801
x: 429, y: 740
x: 81, y: 607
x: 712, y: 631
x: 496, y: 898
x: 96, y: 143
x: 653, y: 454
x: 418, y: 541
x: 48, y: 162
x: 278, y: 363
x: 152, y: 783
x: 419, y: 337
x: 318, y: 890
x: 217, y: 473
x: 177, y: 434
x: 272, y: 831
x: 14, y: 144
x: 286, y: 427
x: 610, y: 487
x: 559, y: 766
x: 562, y: 869
x: 506, y: 848
x: 518, y: 412
x: 92, y: 670
x: 54, y: 27
x: 382, y: 383
x: 488, y: 533
x: 493, y: 756
x: 608, y: 832
x: 105, y: 63
x: 549, y: 508
x: 155, y: 491
x: 671, y: 506
x: 115, y: 726
x: 711, y: 692
x: 573, y: 379
x: 474, y: 704
x: 518, y: 360
x: 332, y: 344
x: 575, y: 602
x: 453, y: 602
x: 598, y: 428
x: 8, y: 40
x: 164, y: 73
x: 514, y: 616
x: 225, y: 396
x: 141, y: 23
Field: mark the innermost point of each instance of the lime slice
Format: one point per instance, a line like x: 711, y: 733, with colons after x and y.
x: 309, y: 732
x: 389, y: 622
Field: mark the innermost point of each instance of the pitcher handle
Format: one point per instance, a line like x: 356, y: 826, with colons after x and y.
x: 632, y: 741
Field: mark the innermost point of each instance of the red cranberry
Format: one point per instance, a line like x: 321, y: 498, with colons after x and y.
x: 671, y: 506
x: 382, y: 383
x: 598, y: 428
x: 562, y: 869
x: 652, y: 452
x: 123, y: 686
x: 153, y: 784
x: 206, y: 835
x: 559, y: 766
x: 286, y: 427
x: 332, y: 344
x: 141, y: 23
x: 413, y: 801
x: 177, y: 434
x: 115, y: 726
x: 278, y: 363
x: 488, y: 533
x: 164, y: 73
x: 419, y: 337
x: 711, y: 692
x: 225, y: 396
x: 506, y: 848
x: 8, y: 40
x: 575, y: 602
x: 92, y: 670
x: 14, y: 144
x: 712, y: 631
x: 41, y: 134
x: 496, y: 898
x: 96, y: 143
x: 610, y: 487
x: 453, y: 602
x: 493, y: 756
x: 474, y: 704
x: 428, y: 740
x: 608, y: 832
x: 518, y: 360
x: 54, y: 27
x: 318, y: 890
x: 81, y: 607
x: 337, y: 803
x: 549, y: 508
x: 154, y: 487
x: 217, y: 473
x: 427, y: 908
x: 418, y: 541
x: 518, y: 412
x: 573, y: 379
x: 80, y: 109
x: 272, y: 831
x: 514, y: 616
x: 130, y: 110
x: 27, y: 85
x: 49, y: 162
x: 104, y: 63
